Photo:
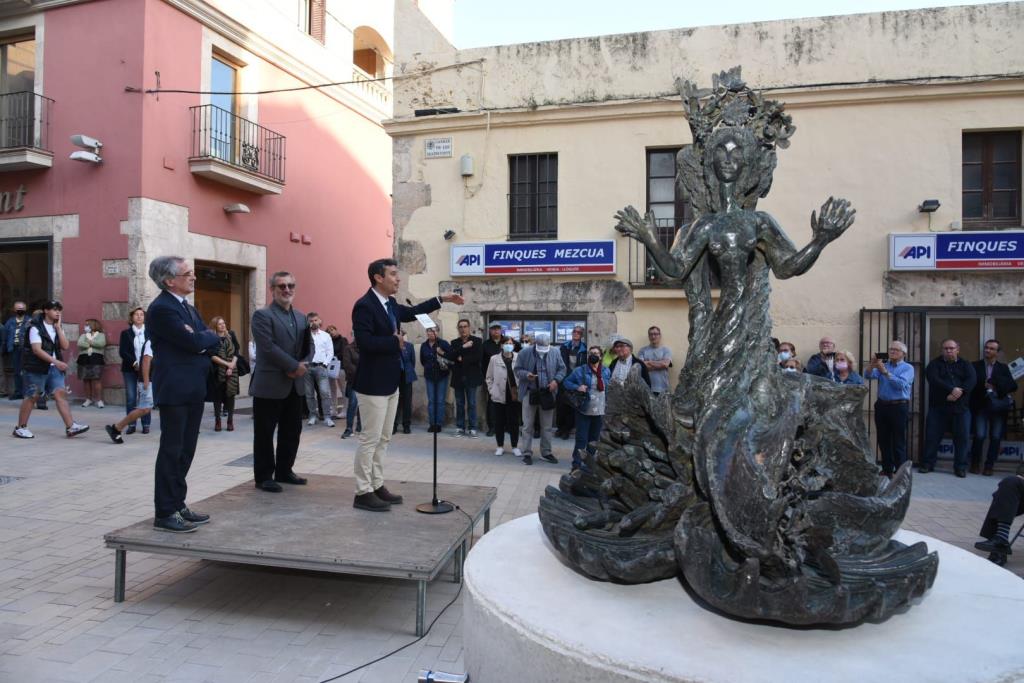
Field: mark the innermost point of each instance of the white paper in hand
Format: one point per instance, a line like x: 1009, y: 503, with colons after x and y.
x: 425, y: 320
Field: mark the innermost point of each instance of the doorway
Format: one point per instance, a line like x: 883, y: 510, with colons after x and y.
x: 25, y: 269
x: 971, y: 329
x: 224, y: 290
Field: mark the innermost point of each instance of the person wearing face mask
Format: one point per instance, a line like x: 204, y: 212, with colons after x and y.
x: 91, y: 344
x: 786, y: 351
x: 791, y: 365
x: 504, y: 394
x: 539, y: 370
x: 14, y: 337
x: 591, y: 380
x: 844, y: 372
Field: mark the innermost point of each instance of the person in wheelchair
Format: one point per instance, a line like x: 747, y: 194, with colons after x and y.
x: 1007, y: 503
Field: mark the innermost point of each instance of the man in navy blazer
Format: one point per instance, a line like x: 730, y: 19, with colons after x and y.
x: 181, y: 362
x: 376, y: 317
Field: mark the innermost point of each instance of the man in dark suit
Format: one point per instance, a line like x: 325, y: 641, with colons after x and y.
x: 181, y: 363
x: 994, y: 382
x: 375, y: 320
x: 281, y: 334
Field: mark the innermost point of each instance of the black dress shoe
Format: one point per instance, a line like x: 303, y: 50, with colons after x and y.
x: 407, y: 429
x: 490, y: 432
x: 269, y: 485
x: 130, y: 429
x: 387, y: 496
x: 925, y: 469
x: 550, y: 458
x: 175, y: 523
x: 291, y: 478
x: 994, y: 545
x: 370, y: 501
x: 960, y: 473
x: 196, y: 518
x: 527, y: 459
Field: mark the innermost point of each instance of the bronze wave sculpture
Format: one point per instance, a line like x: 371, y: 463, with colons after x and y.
x: 758, y: 485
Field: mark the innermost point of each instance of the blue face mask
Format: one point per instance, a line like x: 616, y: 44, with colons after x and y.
x: 784, y: 356
x: 507, y: 348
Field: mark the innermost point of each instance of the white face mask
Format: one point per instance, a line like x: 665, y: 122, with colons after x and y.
x: 790, y: 369
x: 507, y: 348
x: 542, y: 349
x: 88, y: 329
x: 784, y: 356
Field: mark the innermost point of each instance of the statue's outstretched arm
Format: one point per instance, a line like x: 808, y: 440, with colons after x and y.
x: 632, y: 225
x: 785, y: 261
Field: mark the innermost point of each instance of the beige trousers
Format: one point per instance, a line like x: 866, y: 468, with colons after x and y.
x: 378, y: 416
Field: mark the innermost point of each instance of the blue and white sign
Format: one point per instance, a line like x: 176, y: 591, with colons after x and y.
x: 534, y: 258
x: 1001, y: 250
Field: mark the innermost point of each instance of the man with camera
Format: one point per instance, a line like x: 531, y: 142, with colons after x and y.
x: 539, y: 371
x: 991, y: 402
x: 892, y: 409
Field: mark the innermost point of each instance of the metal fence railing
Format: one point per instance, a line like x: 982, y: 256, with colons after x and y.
x: 219, y: 134
x: 25, y: 120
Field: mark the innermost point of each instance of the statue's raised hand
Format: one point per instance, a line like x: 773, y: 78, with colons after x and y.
x: 631, y: 224
x: 836, y: 216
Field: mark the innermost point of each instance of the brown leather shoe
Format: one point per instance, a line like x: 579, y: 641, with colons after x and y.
x: 975, y: 468
x: 387, y: 496
x: 231, y: 425
x: 216, y: 425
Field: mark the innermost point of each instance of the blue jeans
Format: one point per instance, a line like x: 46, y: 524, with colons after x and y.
x: 939, y: 421
x: 992, y: 426
x: 131, y: 394
x: 37, y: 385
x: 465, y: 407
x: 353, y: 407
x: 588, y: 428
x: 437, y: 389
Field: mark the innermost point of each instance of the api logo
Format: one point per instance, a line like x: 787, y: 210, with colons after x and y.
x: 467, y: 259
x: 912, y: 252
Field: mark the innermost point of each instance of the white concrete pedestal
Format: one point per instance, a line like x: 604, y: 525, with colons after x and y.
x: 529, y: 617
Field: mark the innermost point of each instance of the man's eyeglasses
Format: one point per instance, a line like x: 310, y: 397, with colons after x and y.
x: 285, y: 285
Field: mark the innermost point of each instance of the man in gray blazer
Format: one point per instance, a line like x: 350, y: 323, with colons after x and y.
x: 281, y: 334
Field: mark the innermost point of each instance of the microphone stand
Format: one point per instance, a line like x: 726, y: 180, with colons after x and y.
x: 435, y: 506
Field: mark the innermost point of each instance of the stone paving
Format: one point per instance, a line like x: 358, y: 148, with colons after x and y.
x: 190, y: 620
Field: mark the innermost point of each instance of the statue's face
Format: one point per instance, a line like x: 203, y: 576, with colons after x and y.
x: 728, y: 161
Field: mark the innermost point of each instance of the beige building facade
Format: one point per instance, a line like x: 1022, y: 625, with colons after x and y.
x: 891, y: 109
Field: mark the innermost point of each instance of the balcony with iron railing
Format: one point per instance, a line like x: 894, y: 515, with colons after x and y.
x: 235, y: 151
x: 642, y: 271
x: 25, y: 131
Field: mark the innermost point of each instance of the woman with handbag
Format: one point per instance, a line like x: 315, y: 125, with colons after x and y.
x: 225, y: 365
x: 91, y: 343
x: 503, y: 392
x: 586, y: 390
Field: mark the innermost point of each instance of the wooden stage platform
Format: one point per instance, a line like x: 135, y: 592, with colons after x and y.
x: 315, y: 527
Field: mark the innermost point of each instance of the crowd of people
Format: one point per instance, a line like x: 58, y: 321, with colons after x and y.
x: 520, y: 389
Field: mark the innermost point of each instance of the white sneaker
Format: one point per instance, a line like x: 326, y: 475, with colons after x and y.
x: 312, y: 421
x: 499, y: 451
x: 516, y: 452
x: 75, y: 429
x: 459, y: 432
x: 86, y: 403
x: 99, y: 404
x: 473, y: 434
x: 23, y: 433
x: 329, y: 422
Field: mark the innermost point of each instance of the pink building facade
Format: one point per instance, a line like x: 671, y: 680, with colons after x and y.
x: 243, y: 184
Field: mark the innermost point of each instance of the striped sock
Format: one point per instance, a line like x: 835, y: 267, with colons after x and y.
x: 1002, y: 532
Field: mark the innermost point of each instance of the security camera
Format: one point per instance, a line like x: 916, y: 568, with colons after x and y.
x: 91, y: 157
x: 86, y: 141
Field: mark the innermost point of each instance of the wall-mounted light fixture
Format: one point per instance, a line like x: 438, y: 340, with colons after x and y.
x: 929, y: 206
x: 236, y: 208
x: 449, y: 234
x: 93, y: 156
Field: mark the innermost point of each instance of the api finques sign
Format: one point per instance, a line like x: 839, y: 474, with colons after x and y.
x: 534, y: 258
x: 995, y: 250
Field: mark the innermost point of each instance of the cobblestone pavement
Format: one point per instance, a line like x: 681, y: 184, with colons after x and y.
x: 190, y: 620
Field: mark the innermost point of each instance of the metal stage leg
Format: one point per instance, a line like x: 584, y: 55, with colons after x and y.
x: 421, y: 605
x: 487, y: 520
x: 119, y: 564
